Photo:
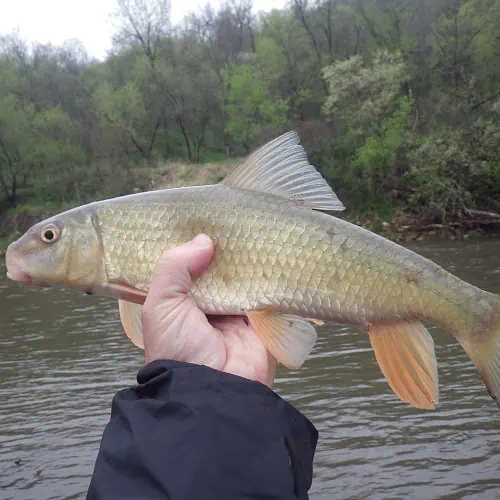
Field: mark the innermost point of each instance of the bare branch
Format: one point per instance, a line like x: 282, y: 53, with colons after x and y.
x: 144, y: 23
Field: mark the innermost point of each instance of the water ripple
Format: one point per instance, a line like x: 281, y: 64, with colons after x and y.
x: 64, y: 355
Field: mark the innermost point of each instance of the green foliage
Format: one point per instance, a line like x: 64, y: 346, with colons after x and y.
x: 374, y: 159
x: 368, y: 98
x: 390, y: 97
x: 457, y: 170
x: 250, y: 107
x: 363, y: 94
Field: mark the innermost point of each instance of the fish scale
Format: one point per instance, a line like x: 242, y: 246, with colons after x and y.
x: 268, y: 252
x: 278, y: 260
x: 252, y: 267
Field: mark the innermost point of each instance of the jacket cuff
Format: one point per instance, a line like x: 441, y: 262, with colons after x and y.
x: 168, y: 379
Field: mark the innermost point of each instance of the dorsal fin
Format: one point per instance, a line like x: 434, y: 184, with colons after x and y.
x: 280, y: 167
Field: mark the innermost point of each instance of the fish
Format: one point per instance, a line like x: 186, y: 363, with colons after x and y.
x: 281, y: 259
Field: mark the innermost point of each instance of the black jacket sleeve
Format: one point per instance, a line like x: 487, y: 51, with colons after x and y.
x: 193, y: 433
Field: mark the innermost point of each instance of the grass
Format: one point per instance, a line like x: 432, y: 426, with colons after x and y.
x: 383, y: 208
x: 178, y: 174
x: 36, y: 201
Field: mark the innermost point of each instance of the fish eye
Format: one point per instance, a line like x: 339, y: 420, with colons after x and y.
x: 49, y: 234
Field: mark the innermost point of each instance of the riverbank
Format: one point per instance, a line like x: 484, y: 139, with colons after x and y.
x: 403, y: 225
x: 399, y: 226
x: 16, y: 221
x: 391, y: 219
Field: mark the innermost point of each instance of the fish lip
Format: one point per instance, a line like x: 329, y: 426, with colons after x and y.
x: 14, y: 267
x: 20, y: 276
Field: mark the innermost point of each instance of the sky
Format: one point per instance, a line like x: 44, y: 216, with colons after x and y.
x: 87, y: 20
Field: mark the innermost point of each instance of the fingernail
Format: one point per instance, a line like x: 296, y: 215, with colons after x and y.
x: 202, y: 240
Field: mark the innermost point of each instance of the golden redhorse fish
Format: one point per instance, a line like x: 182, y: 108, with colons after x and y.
x: 278, y: 261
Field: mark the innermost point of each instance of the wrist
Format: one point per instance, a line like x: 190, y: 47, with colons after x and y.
x: 261, y: 370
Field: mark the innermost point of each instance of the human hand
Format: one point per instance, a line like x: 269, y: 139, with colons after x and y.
x: 175, y: 328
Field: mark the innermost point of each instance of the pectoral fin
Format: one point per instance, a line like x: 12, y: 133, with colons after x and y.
x: 405, y: 354
x: 131, y: 317
x: 124, y: 291
x: 287, y: 337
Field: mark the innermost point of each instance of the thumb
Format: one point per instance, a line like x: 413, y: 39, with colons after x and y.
x: 179, y: 266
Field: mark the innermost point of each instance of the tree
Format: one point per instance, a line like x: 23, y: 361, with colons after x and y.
x: 250, y: 107
x: 370, y: 98
x: 384, y: 93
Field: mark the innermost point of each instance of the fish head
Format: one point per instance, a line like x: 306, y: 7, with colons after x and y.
x: 63, y: 250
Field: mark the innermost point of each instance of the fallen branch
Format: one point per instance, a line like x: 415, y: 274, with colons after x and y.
x: 476, y: 222
x: 483, y: 213
x: 431, y: 227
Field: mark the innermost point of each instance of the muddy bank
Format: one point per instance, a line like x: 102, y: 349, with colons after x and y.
x: 407, y: 226
x: 403, y: 226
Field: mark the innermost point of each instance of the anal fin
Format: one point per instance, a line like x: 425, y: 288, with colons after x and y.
x: 131, y: 318
x: 287, y: 337
x: 405, y: 354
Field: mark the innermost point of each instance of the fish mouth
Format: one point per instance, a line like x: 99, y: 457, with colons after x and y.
x: 21, y: 277
x: 14, y: 268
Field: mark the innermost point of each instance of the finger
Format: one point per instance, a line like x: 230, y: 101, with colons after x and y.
x: 246, y: 354
x: 174, y: 327
x: 178, y: 267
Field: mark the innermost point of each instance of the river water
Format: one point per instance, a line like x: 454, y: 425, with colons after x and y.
x: 63, y: 356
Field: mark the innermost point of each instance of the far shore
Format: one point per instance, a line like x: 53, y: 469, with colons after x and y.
x: 400, y: 228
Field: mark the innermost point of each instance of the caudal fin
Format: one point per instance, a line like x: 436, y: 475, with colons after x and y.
x: 485, y: 354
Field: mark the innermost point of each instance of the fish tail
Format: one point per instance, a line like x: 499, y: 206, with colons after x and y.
x: 484, y: 351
